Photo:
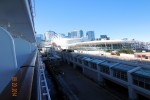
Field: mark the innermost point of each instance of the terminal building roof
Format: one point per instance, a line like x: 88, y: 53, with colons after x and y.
x: 123, y: 67
x: 108, y: 63
x: 143, y: 72
x: 97, y: 61
x: 101, y: 42
x: 88, y: 59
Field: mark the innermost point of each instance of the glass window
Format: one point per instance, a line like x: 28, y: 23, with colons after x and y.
x: 75, y: 59
x: 104, y: 69
x: 79, y: 60
x: 86, y: 63
x: 93, y: 65
x: 141, y: 82
x: 120, y: 74
x: 147, y: 86
x: 135, y: 81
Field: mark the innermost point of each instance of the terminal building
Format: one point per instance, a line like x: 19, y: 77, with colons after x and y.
x: 107, y: 45
x: 134, y: 79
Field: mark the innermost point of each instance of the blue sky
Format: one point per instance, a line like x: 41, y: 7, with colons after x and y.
x: 116, y: 18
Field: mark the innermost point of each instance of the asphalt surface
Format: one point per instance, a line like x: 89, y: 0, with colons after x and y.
x: 82, y: 87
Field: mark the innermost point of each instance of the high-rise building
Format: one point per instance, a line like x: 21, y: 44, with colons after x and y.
x: 90, y: 35
x: 63, y: 35
x: 49, y: 35
x: 80, y: 33
x: 75, y: 34
x: 104, y: 37
x: 40, y: 36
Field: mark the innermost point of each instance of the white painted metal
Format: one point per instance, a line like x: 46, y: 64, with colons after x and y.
x: 23, y: 51
x: 8, y: 62
x: 16, y: 17
x: 45, y: 84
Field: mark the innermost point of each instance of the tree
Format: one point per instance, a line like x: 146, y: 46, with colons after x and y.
x: 127, y: 51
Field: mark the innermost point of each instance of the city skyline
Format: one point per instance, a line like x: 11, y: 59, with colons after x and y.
x: 117, y: 19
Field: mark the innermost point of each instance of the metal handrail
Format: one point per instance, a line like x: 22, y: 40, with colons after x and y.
x: 36, y: 88
x: 34, y: 58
